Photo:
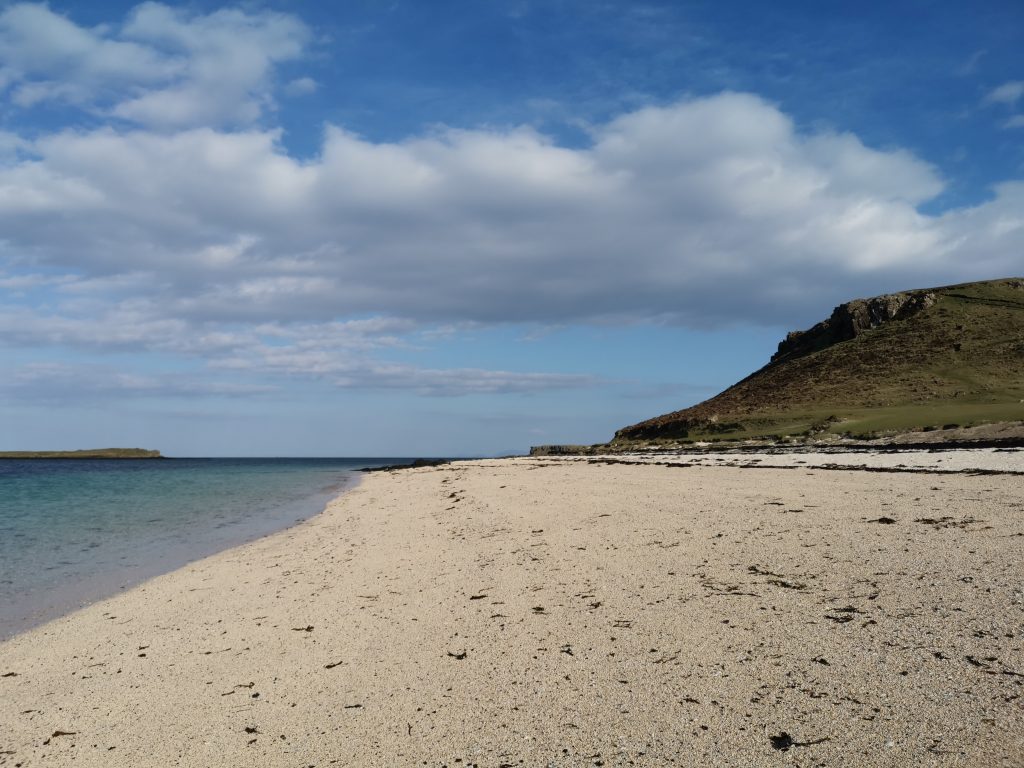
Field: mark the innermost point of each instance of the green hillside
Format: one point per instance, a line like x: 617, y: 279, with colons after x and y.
x: 919, y: 359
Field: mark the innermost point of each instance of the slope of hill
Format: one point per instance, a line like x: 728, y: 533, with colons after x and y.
x: 921, y: 359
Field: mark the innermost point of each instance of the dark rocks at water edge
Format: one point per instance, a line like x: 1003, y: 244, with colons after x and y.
x: 411, y: 465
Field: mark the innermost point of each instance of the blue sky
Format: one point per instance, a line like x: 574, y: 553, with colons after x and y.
x: 467, y: 227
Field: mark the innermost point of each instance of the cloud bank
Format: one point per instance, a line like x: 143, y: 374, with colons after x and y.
x: 183, y: 224
x: 704, y: 212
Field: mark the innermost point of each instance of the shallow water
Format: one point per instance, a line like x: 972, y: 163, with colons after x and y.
x: 73, y: 531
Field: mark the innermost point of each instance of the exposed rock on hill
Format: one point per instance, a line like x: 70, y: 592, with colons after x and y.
x: 850, y: 320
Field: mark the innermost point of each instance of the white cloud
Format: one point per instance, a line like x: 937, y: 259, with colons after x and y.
x: 164, y: 67
x: 706, y: 211
x: 340, y: 355
x: 361, y: 373
x: 220, y: 246
x: 992, y: 232
x: 24, y: 282
x: 44, y: 55
x: 1017, y: 121
x: 59, y: 384
x: 302, y: 86
x: 194, y: 234
x: 851, y: 167
x: 1008, y: 93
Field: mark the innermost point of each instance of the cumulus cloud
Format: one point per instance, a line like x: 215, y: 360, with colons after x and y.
x: 219, y: 245
x: 704, y: 212
x: 163, y: 67
x: 44, y: 55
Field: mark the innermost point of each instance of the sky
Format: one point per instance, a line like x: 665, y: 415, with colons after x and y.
x: 465, y: 227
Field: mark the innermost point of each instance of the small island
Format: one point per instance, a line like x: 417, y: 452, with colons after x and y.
x: 88, y: 453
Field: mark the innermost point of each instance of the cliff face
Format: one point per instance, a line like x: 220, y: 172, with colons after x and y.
x: 850, y: 320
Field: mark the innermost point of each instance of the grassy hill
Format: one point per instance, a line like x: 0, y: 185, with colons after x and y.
x: 93, y: 453
x: 922, y: 359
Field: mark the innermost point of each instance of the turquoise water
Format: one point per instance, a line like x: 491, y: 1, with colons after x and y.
x: 73, y: 531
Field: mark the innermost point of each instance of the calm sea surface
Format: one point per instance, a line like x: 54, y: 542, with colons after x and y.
x: 73, y: 531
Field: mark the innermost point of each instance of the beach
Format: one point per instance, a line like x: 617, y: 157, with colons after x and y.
x: 565, y: 612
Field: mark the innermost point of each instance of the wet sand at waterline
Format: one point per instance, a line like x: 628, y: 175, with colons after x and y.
x: 567, y: 613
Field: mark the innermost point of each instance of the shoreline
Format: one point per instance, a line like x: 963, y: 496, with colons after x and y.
x: 526, y: 611
x: 966, y: 461
x: 76, y: 596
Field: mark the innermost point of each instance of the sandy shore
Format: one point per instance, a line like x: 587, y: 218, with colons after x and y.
x: 522, y: 612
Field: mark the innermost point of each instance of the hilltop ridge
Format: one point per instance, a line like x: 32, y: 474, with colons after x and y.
x: 920, y: 359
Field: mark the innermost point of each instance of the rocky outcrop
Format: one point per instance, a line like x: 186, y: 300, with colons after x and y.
x: 560, y: 450
x: 416, y: 464
x: 850, y: 320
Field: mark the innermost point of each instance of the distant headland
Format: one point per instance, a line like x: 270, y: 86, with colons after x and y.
x: 89, y: 453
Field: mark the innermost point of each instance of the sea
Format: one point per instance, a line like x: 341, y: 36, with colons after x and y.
x: 73, y: 531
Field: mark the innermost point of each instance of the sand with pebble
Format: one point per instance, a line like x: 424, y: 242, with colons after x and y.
x: 568, y: 613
